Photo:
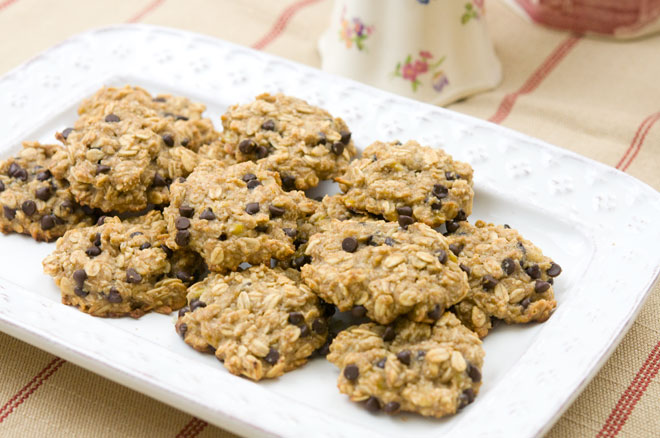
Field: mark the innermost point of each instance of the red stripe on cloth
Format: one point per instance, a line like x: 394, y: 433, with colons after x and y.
x: 281, y: 23
x: 6, y: 3
x: 147, y: 10
x: 637, y: 142
x: 193, y: 428
x: 535, y: 79
x: 631, y: 395
x: 31, y: 386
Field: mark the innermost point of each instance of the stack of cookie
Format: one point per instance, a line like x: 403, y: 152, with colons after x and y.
x: 159, y: 212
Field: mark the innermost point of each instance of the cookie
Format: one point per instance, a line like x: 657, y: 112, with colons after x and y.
x: 302, y: 142
x: 386, y: 269
x: 117, y: 268
x: 125, y: 149
x: 433, y: 370
x: 260, y: 322
x: 510, y: 278
x: 33, y: 200
x: 408, y: 182
x: 239, y: 214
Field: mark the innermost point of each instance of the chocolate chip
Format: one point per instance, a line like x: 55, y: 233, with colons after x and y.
x: 319, y: 326
x: 261, y: 151
x: 421, y: 354
x: 168, y: 140
x: 78, y: 290
x: 196, y: 303
x: 337, y: 148
x: 389, y: 241
x: 351, y: 372
x: 182, y: 223
x: 525, y: 303
x: 460, y: 216
x: 489, y: 282
x: 345, y: 136
x: 296, y: 318
x: 534, y: 271
x: 168, y: 252
x: 451, y: 226
x: 436, y: 313
x: 145, y: 245
x: 473, y: 372
x: 97, y: 239
x: 272, y: 357
x: 456, y: 248
x: 182, y: 329
x: 404, y: 210
x: 372, y: 404
x: 114, y: 296
x: 2, y: 186
x: 66, y: 132
x: 16, y: 171
x: 185, y: 142
x: 304, y: 331
x: 554, y: 270
x: 253, y: 184
x: 159, y: 99
x: 180, y: 117
x: 440, y: 191
x: 551, y: 280
x: 392, y: 407
x: 249, y: 177
x: 359, y: 311
x: 183, y: 311
x: 450, y: 176
x: 288, y: 182
x: 322, y: 138
x: 381, y: 363
x: 507, y: 226
x: 207, y: 215
x: 79, y: 276
x: 182, y: 238
x: 93, y: 251
x: 247, y: 146
x: 465, y: 269
x: 404, y: 221
x: 44, y: 175
x: 101, y: 220
x: 349, y: 244
x: 112, y: 118
x: 290, y: 232
x: 102, y: 168
x: 67, y: 204
x: 437, y: 205
x: 47, y: 222
x: 541, y: 286
x: 268, y: 125
x: 389, y: 334
x: 252, y: 208
x: 276, y: 211
x: 132, y: 276
x: 159, y: 181
x: 29, y: 207
x: 465, y: 398
x: 186, y: 211
x: 404, y: 356
x: 508, y: 266
x: 442, y: 256
x: 43, y: 193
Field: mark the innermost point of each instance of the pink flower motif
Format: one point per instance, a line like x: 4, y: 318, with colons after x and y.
x: 421, y: 66
x: 478, y: 3
x: 409, y: 72
x: 440, y: 81
x: 425, y: 54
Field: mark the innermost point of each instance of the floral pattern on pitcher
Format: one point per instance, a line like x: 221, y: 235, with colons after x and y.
x: 417, y: 71
x: 474, y: 9
x: 354, y: 31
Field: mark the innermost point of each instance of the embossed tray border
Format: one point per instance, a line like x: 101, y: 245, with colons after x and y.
x: 620, y: 212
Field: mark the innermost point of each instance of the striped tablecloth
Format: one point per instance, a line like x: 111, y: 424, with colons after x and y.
x: 597, y: 97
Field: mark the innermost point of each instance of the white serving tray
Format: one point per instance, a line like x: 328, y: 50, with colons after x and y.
x: 598, y: 223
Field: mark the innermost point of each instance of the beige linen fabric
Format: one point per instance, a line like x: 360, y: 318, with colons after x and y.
x: 597, y: 97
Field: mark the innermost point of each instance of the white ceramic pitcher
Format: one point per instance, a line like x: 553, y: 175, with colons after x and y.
x: 437, y: 51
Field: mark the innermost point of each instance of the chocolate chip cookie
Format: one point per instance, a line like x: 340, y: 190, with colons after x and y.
x: 433, y: 370
x: 302, y: 142
x: 387, y: 269
x: 260, y: 322
x: 510, y: 278
x: 240, y: 214
x: 33, y: 200
x: 408, y: 182
x: 117, y: 268
x: 126, y: 148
